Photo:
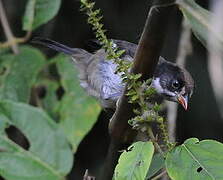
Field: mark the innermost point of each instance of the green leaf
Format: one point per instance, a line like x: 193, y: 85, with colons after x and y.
x: 200, y: 21
x: 29, y: 15
x: 3, y: 124
x: 19, y: 73
x: 49, y: 156
x: 157, y: 164
x: 50, y: 100
x: 196, y: 160
x: 134, y: 163
x: 39, y: 12
x: 5, y: 65
x: 78, y: 112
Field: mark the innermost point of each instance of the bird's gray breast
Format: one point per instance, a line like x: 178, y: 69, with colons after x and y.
x: 112, y: 83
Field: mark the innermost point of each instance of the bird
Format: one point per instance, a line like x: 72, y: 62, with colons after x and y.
x: 97, y: 74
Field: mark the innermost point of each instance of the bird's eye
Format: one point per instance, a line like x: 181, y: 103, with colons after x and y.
x: 175, y: 84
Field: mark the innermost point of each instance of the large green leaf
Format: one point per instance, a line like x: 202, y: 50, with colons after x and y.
x: 5, y: 67
x: 3, y: 124
x: 134, y: 163
x: 39, y: 12
x: 200, y: 21
x: 50, y: 99
x: 29, y: 15
x: 196, y: 160
x: 78, y: 112
x: 49, y: 156
x: 18, y: 73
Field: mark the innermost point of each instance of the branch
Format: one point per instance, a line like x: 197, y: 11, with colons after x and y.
x: 87, y: 176
x: 16, y: 40
x: 185, y: 48
x: 7, y: 29
x: 145, y: 61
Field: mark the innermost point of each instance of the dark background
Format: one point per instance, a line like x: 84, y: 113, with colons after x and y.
x: 124, y: 19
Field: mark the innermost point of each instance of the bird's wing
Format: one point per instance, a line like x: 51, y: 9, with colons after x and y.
x: 108, y: 83
x: 96, y: 73
x: 130, y: 48
x: 101, y: 81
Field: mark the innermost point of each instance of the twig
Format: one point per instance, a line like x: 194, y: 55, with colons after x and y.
x: 87, y: 177
x: 7, y: 29
x: 145, y: 61
x: 185, y: 48
x: 16, y: 40
x: 159, y: 175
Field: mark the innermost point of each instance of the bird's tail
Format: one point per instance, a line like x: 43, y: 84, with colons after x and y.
x: 79, y: 56
x: 53, y: 45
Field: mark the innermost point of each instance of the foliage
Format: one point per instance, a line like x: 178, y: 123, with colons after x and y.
x: 37, y: 162
x: 20, y: 73
x: 134, y: 162
x: 75, y: 104
x: 39, y: 12
x: 64, y: 121
x: 199, y: 160
x: 57, y: 124
x: 200, y: 21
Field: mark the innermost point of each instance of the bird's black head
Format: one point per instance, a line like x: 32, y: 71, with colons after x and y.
x: 173, y: 82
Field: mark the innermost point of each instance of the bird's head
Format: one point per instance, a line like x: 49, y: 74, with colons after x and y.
x: 172, y: 82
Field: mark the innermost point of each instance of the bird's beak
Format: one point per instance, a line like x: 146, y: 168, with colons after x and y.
x: 183, y: 101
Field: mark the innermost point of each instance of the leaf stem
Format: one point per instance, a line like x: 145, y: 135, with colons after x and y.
x: 159, y: 175
x: 16, y: 41
x: 8, y: 33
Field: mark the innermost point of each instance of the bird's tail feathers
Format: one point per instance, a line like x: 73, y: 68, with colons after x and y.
x: 53, y: 45
x: 79, y: 56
